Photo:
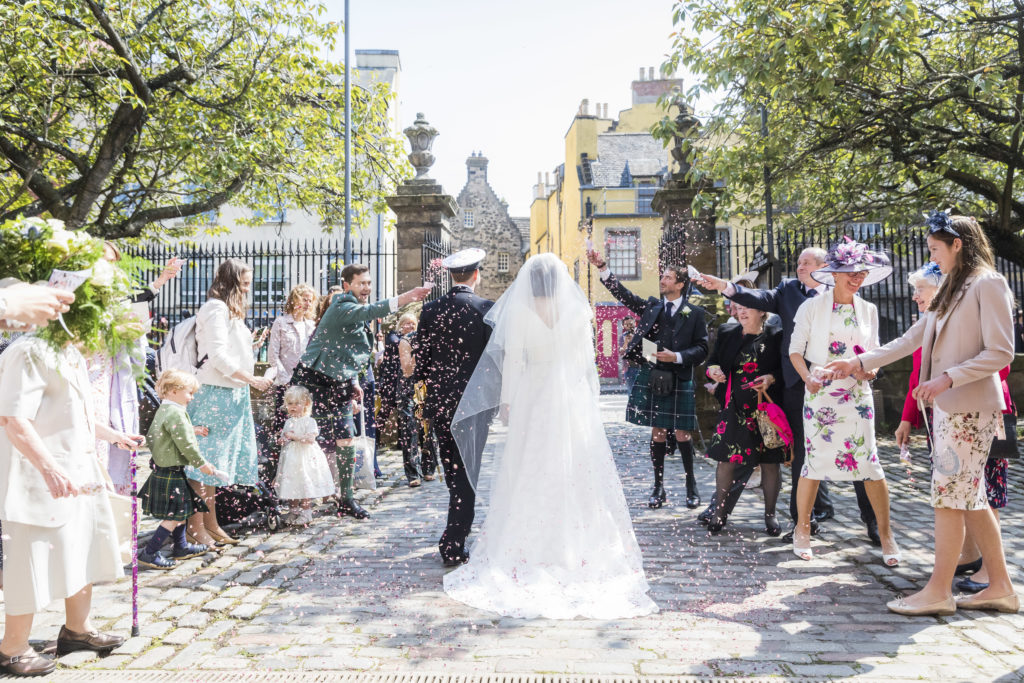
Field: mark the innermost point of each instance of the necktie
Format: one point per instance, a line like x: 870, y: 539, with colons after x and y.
x: 669, y: 308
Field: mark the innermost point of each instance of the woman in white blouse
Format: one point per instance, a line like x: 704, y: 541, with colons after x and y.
x: 288, y: 338
x: 222, y: 403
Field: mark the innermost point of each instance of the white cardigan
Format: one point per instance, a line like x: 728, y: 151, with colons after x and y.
x: 226, y: 342
x: 814, y: 318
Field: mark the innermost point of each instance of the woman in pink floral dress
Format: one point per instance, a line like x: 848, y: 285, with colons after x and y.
x: 839, y: 416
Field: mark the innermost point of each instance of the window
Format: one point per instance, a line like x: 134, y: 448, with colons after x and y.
x: 863, y: 231
x: 467, y: 218
x: 268, y: 282
x: 196, y: 278
x: 623, y: 249
x: 503, y: 262
x: 644, y: 195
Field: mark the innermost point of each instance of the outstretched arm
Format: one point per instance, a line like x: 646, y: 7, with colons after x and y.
x: 628, y: 298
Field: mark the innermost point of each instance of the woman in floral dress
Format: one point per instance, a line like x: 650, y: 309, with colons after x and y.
x: 966, y: 338
x: 747, y: 355
x: 839, y: 428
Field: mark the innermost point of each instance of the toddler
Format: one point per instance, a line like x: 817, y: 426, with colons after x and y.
x: 302, y: 473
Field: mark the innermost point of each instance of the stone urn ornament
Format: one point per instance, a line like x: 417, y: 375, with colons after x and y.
x: 421, y: 137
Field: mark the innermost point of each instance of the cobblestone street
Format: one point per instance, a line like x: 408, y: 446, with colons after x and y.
x: 353, y: 596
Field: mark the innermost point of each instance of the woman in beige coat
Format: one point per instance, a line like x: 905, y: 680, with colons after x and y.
x: 966, y: 337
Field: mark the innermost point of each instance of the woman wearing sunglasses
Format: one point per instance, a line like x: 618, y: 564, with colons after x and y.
x: 966, y: 337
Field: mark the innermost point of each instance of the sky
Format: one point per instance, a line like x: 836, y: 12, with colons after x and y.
x: 506, y: 78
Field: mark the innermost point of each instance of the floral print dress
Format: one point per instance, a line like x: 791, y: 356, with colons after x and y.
x: 737, y: 437
x: 839, y: 427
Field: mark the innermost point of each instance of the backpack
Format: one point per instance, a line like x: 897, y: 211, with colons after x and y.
x: 180, y: 350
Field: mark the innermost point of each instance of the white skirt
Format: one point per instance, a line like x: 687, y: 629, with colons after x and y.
x: 43, y: 564
x: 303, y: 472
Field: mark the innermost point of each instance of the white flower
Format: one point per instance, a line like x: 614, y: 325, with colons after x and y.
x: 61, y: 238
x: 102, y: 274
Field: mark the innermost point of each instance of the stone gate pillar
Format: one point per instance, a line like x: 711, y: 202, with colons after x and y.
x: 421, y: 207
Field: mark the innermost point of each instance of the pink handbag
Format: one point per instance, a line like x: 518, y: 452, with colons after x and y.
x: 772, y: 422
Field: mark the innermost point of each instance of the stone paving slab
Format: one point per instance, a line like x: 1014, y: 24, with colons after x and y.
x: 365, y: 598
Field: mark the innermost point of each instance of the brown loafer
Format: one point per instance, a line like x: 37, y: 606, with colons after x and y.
x: 69, y: 641
x: 28, y: 664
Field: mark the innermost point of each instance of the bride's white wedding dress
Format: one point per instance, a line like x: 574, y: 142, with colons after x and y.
x: 557, y: 540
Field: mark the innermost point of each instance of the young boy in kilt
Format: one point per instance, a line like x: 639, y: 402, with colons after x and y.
x: 166, y: 494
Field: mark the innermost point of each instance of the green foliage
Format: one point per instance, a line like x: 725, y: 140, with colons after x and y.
x: 141, y: 118
x: 877, y: 110
x: 100, y: 318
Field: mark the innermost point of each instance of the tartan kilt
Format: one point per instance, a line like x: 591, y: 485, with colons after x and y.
x: 167, y: 495
x: 676, y: 411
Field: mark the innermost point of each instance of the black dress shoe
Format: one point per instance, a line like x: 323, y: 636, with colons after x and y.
x: 771, y: 525
x: 876, y: 540
x: 823, y: 515
x: 69, y: 641
x: 969, y: 567
x: 657, y: 498
x: 716, y: 525
x: 788, y: 536
x: 968, y: 586
x: 350, y: 508
x: 692, y: 497
x: 456, y: 561
x: 705, y: 516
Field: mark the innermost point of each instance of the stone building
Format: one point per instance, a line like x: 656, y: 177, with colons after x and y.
x: 483, y: 221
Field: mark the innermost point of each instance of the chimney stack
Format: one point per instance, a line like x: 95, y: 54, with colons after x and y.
x: 641, y: 73
x: 585, y: 107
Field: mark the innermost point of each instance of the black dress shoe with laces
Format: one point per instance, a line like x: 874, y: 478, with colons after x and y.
x: 456, y: 560
x: 350, y: 508
x: 823, y: 515
x: 657, y: 498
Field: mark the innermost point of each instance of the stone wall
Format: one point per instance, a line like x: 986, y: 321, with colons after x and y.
x: 492, y: 229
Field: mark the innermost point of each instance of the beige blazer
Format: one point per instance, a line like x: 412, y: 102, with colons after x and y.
x: 971, y: 344
x: 52, y: 390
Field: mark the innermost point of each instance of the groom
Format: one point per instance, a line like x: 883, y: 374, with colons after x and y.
x: 662, y: 396
x: 451, y: 338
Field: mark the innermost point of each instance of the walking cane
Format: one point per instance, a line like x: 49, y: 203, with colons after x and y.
x: 135, y: 547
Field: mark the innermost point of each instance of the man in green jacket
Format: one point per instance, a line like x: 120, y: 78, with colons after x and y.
x: 330, y: 367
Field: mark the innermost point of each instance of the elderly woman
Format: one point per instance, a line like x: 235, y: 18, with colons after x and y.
x: 747, y: 359
x: 222, y: 403
x: 839, y: 428
x: 60, y: 531
x: 966, y: 338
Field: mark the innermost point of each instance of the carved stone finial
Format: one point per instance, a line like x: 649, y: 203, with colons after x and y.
x: 686, y: 125
x: 421, y: 137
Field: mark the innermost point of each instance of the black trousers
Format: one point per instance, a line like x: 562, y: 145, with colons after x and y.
x: 461, y: 496
x: 408, y: 437
x: 793, y: 406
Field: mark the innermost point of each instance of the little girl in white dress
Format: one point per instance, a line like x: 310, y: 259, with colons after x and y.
x: 302, y: 472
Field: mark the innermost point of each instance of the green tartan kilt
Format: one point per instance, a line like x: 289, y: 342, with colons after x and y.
x: 167, y: 495
x: 677, y: 411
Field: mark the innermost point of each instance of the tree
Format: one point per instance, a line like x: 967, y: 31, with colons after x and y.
x: 122, y: 117
x: 877, y: 109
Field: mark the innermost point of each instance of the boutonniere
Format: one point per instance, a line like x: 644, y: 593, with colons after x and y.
x: 685, y: 310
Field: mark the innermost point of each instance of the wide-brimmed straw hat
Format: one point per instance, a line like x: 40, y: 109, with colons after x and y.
x: 853, y: 257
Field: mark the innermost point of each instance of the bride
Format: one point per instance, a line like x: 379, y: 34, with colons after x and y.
x: 557, y: 541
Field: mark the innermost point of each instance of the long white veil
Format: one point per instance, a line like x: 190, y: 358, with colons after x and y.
x: 542, y: 324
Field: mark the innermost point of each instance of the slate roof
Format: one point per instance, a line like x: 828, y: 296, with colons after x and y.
x: 524, y: 229
x: 623, y: 156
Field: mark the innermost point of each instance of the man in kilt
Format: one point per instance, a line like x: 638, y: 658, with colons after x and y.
x: 662, y: 396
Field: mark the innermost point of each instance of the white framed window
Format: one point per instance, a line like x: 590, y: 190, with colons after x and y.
x: 623, y: 253
x: 467, y: 218
x: 269, y: 282
x: 502, y: 262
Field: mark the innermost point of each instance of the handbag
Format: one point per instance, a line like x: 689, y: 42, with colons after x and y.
x: 362, y: 471
x: 1006, y: 448
x: 662, y: 382
x: 772, y: 423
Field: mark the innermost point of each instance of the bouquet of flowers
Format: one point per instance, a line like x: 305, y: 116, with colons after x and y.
x: 44, y: 252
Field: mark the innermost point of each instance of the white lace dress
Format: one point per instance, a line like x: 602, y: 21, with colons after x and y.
x: 557, y: 541
x: 302, y: 471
